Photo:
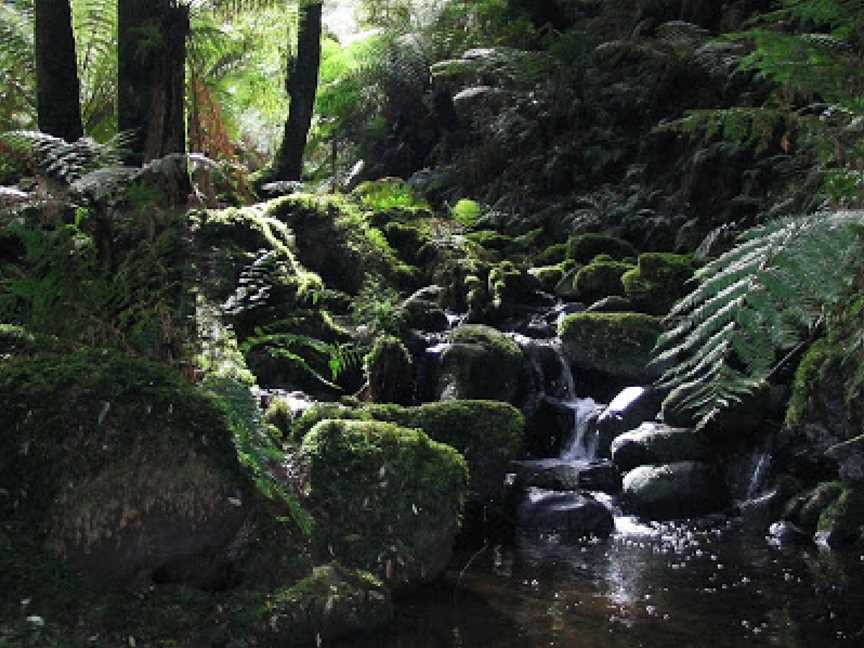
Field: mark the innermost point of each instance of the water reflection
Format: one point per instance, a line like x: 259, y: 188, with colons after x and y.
x: 705, y: 584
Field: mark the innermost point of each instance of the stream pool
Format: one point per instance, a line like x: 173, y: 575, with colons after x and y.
x: 675, y: 584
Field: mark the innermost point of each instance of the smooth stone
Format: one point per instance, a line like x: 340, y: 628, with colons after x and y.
x: 573, y: 513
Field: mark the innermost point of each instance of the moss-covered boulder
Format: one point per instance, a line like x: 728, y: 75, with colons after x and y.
x: 658, y: 281
x: 488, y: 434
x: 124, y: 468
x: 480, y: 363
x: 842, y: 523
x: 390, y: 371
x: 600, y: 278
x: 616, y: 344
x: 584, y: 247
x: 333, y: 602
x: 384, y: 499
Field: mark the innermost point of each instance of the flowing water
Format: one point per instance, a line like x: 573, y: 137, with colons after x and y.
x: 705, y: 583
x: 693, y: 584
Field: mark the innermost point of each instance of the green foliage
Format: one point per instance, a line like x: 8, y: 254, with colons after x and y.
x: 387, y: 194
x: 753, y: 303
x: 17, y: 66
x: 465, y: 212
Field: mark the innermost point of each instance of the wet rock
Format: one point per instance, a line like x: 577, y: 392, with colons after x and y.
x: 385, y: 499
x: 572, y: 513
x: 616, y: 344
x: 548, y: 428
x: 600, y: 476
x: 787, y: 533
x: 656, y: 443
x: 421, y: 311
x: 611, y: 304
x: 670, y: 491
x: 391, y: 372
x: 480, y: 363
x: 631, y: 407
x: 842, y: 521
x: 849, y: 456
x: 561, y: 475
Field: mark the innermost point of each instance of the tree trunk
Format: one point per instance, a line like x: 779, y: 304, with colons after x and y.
x: 301, y: 84
x: 151, y: 76
x: 58, y: 94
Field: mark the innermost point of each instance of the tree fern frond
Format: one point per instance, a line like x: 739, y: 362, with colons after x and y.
x: 754, y: 302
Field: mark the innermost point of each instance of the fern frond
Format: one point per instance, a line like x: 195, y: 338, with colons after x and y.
x: 755, y: 302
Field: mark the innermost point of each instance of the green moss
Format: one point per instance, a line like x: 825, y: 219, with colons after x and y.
x: 323, y: 411
x: 389, y: 193
x: 552, y: 255
x: 658, y: 281
x: 548, y: 276
x: 491, y: 240
x: 279, y: 415
x: 600, y: 279
x: 482, y: 363
x: 844, y: 518
x: 808, y: 377
x: 390, y: 372
x: 619, y: 344
x: 489, y: 434
x: 584, y: 247
x: 385, y: 498
x: 465, y: 212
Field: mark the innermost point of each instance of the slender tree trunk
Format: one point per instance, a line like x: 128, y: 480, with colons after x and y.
x: 302, y: 84
x: 58, y: 94
x: 151, y: 76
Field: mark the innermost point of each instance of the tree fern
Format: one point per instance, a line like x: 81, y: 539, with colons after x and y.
x: 754, y: 303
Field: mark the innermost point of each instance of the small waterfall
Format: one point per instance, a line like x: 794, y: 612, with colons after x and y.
x: 761, y: 464
x: 583, y: 446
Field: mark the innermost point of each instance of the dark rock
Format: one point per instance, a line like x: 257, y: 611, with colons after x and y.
x: 421, y: 311
x: 548, y: 428
x: 787, y: 533
x: 631, y: 407
x: 572, y: 513
x: 656, y: 443
x: 670, y: 491
x: 611, y: 304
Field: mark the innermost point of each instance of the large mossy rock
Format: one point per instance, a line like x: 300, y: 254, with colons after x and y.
x: 617, y: 344
x: 670, y: 491
x: 657, y: 282
x: 842, y: 522
x: 333, y: 602
x: 600, y: 278
x: 488, y: 434
x: 385, y: 499
x: 124, y: 468
x: 480, y: 363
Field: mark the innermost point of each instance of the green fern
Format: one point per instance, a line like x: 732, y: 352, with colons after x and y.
x: 754, y: 303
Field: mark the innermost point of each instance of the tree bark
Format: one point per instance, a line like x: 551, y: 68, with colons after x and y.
x: 301, y: 84
x: 151, y: 76
x: 58, y: 93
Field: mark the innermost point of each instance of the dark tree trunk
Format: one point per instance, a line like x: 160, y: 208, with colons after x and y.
x: 151, y: 76
x: 302, y: 84
x: 58, y: 94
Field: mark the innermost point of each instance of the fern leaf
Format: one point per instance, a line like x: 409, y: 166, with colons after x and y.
x: 754, y: 302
